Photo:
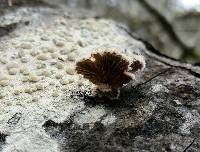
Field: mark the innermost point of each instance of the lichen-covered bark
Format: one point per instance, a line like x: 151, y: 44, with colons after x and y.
x: 159, y: 111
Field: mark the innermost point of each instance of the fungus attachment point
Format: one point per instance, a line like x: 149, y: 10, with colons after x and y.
x: 109, y: 71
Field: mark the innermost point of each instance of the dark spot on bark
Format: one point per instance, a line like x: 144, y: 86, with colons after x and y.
x: 5, y: 30
x: 2, y: 139
x: 27, y: 23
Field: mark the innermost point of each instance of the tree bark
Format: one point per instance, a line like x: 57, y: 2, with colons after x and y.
x: 159, y: 111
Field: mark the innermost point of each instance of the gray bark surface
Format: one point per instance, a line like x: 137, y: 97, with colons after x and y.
x: 158, y: 112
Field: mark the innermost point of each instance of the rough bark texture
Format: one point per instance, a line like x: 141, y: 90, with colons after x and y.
x: 157, y: 112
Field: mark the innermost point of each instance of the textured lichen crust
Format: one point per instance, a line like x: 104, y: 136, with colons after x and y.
x: 37, y: 73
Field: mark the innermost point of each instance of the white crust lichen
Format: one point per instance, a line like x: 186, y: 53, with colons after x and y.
x: 36, y: 90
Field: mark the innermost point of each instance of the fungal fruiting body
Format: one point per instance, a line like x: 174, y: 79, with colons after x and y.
x: 109, y: 70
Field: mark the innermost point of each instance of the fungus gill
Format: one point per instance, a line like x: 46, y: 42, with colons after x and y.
x: 109, y: 71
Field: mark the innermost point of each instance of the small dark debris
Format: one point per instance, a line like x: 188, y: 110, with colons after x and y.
x: 15, y: 118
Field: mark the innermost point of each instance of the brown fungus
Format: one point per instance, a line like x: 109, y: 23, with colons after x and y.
x: 109, y: 71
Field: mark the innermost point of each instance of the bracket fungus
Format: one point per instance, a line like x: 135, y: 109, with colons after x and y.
x: 109, y: 70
